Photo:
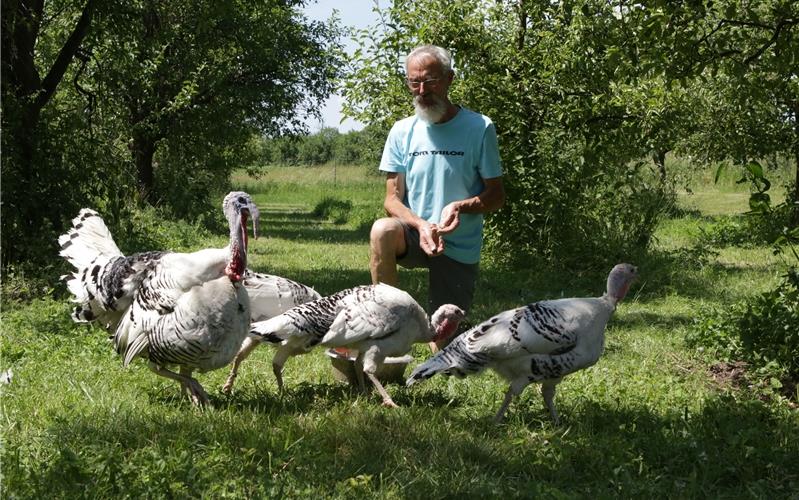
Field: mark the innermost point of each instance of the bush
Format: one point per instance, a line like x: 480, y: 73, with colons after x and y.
x: 334, y: 209
x: 762, y: 331
x: 747, y: 230
x: 140, y: 230
x: 577, y: 214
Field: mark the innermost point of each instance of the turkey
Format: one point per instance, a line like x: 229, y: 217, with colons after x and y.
x: 378, y: 321
x: 184, y: 309
x: 269, y: 296
x: 542, y: 342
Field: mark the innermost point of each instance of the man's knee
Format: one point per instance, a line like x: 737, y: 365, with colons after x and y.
x: 386, y: 231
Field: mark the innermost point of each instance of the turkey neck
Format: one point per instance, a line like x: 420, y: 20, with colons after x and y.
x: 447, y: 328
x: 237, y: 259
x: 616, y: 289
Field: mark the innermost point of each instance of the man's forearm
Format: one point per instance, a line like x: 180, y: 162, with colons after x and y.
x: 490, y: 199
x: 395, y: 208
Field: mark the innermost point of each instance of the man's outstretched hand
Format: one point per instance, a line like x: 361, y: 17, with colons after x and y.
x: 450, y: 218
x: 430, y: 240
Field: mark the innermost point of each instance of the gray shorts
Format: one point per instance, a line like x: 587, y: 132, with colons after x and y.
x: 449, y: 281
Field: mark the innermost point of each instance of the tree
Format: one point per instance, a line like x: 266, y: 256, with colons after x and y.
x: 317, y: 149
x: 551, y: 75
x: 32, y: 72
x: 746, y: 55
x: 162, y: 100
x: 206, y: 74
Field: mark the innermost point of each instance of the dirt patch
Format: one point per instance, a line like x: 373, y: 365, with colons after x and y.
x: 730, y: 375
x: 734, y: 375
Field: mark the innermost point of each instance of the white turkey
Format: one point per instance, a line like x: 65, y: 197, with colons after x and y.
x: 377, y: 321
x: 541, y: 342
x: 269, y: 296
x: 185, y: 309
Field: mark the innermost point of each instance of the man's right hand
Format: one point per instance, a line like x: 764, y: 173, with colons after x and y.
x: 430, y: 240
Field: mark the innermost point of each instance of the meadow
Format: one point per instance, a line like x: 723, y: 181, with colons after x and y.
x: 654, y: 418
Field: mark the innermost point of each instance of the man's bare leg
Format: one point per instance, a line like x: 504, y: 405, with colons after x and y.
x: 386, y: 241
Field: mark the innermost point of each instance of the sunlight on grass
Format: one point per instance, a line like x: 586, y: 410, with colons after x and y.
x: 715, y: 203
x: 647, y: 421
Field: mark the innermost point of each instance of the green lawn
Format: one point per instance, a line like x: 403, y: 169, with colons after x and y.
x: 649, y: 420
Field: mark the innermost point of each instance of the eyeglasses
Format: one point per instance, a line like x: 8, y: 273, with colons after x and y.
x: 415, y: 84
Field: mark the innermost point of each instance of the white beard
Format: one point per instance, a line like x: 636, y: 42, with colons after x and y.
x: 433, y: 113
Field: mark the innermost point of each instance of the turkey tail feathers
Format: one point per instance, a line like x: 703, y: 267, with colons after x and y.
x: 426, y: 370
x: 88, y: 239
x: 274, y: 330
x: 90, y: 248
x: 455, y: 360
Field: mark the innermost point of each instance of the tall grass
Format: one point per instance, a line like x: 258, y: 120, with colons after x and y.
x: 648, y: 420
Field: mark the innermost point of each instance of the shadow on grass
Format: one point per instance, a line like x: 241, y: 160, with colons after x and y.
x: 305, y: 226
x: 316, y: 438
x: 306, y: 397
x: 323, y: 232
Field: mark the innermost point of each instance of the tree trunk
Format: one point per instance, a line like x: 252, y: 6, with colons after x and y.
x: 25, y: 94
x: 18, y: 52
x: 522, y: 26
x: 795, y: 200
x: 33, y: 93
x: 143, y: 143
x: 143, y: 150
x: 659, y: 157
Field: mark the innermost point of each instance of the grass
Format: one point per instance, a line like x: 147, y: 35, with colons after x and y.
x: 648, y: 420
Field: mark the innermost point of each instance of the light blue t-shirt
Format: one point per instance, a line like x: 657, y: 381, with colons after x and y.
x: 444, y: 163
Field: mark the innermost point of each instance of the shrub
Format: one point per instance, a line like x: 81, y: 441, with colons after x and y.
x: 577, y: 214
x: 762, y: 331
x: 334, y: 209
x: 747, y: 230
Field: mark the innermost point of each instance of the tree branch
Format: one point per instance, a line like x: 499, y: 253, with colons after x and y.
x: 770, y: 42
x: 19, y: 41
x: 65, y: 56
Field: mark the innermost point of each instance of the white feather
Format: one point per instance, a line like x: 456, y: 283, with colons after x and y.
x: 543, y: 341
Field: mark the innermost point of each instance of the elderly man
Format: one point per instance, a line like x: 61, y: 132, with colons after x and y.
x: 443, y: 173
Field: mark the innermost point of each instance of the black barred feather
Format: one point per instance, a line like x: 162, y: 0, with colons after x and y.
x: 376, y: 321
x: 185, y: 309
x: 310, y: 320
x: 540, y: 342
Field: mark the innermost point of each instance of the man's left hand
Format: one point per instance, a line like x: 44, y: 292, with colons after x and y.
x: 450, y: 218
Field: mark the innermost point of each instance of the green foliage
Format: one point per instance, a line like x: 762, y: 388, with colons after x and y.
x: 328, y: 146
x: 21, y: 283
x: 569, y: 136
x: 333, y: 209
x: 761, y: 330
x: 745, y: 230
x: 74, y: 166
x: 160, y: 102
x: 150, y: 229
x: 740, y: 59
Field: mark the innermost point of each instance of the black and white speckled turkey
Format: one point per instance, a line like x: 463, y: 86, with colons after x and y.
x: 269, y: 296
x: 377, y: 321
x: 541, y: 342
x: 185, y: 309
